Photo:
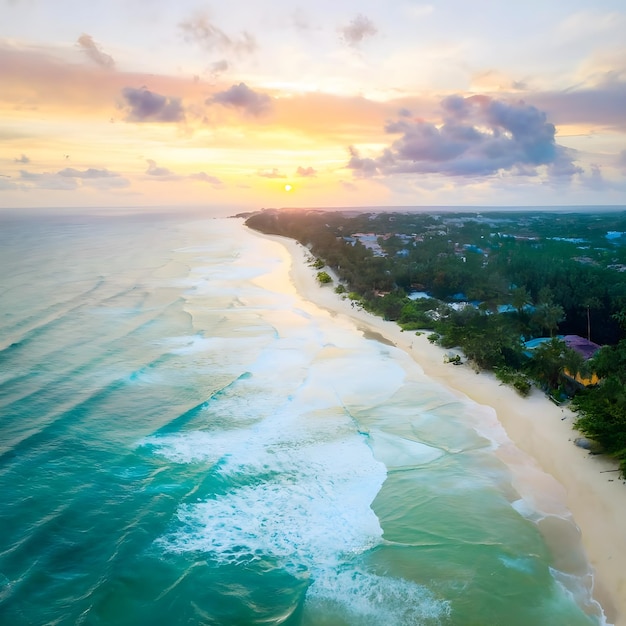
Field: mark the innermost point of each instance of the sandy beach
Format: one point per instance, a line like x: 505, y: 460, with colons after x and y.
x: 584, y: 484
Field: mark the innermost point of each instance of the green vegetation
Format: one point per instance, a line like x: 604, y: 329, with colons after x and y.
x: 602, y: 408
x: 490, y: 282
x: 515, y: 378
x: 324, y: 278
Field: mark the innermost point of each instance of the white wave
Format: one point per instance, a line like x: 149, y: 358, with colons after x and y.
x: 361, y: 598
x: 304, y: 505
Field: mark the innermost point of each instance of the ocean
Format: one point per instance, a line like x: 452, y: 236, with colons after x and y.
x: 185, y: 440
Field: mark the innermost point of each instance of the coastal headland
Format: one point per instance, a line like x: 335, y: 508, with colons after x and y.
x: 569, y: 477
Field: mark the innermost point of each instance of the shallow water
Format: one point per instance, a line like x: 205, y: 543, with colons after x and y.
x: 186, y: 441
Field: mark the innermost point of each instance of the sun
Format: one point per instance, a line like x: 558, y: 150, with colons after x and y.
x: 288, y: 187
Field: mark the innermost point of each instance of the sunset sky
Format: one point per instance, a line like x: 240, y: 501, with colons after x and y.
x: 252, y: 103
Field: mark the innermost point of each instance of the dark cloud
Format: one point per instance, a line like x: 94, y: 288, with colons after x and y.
x: 478, y: 136
x: 306, y: 172
x: 206, y: 178
x: 357, y: 30
x: 243, y: 98
x: 159, y: 172
x: 199, y: 29
x: 146, y: 106
x: 94, y: 52
x: 23, y: 159
x: 273, y: 173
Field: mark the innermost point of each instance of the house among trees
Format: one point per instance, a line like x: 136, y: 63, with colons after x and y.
x: 586, y: 349
x: 550, y: 354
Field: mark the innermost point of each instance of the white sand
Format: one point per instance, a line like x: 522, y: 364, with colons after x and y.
x: 582, y: 483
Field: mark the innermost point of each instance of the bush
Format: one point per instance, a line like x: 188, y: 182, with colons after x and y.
x: 324, y: 278
x: 520, y: 382
x: 415, y: 325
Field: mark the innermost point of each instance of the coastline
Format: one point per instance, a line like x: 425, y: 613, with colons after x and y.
x: 583, y: 484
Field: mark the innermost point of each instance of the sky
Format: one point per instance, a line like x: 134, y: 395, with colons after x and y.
x: 258, y: 103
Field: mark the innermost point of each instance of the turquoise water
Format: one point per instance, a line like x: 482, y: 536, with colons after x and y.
x: 183, y: 440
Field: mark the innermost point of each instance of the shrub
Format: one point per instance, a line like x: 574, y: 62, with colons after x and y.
x: 324, y: 278
x: 519, y: 381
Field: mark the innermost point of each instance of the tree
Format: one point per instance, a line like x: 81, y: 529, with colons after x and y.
x: 602, y: 408
x: 545, y: 295
x: 588, y: 303
x: 550, y: 360
x: 548, y: 317
x: 520, y: 298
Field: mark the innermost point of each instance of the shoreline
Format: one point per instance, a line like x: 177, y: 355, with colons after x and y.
x: 581, y: 483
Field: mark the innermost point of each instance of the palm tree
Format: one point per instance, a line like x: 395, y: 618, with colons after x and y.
x: 590, y: 303
x: 550, y: 359
x: 520, y: 298
x: 549, y: 316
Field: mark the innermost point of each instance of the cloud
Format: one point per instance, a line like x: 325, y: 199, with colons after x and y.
x: 69, y: 179
x: 94, y: 52
x: 33, y: 78
x: 70, y: 172
x: 363, y: 167
x: 46, y: 181
x: 306, y: 172
x: 23, y: 159
x: 7, y: 184
x: 243, y: 98
x: 161, y: 173
x: 219, y: 66
x: 146, y: 106
x: 199, y: 29
x: 478, y: 136
x: 601, y: 104
x: 357, y: 30
x: 206, y: 178
x: 273, y: 173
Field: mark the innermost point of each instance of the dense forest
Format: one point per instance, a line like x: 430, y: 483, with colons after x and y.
x: 492, y: 284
